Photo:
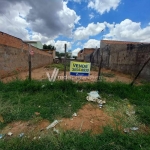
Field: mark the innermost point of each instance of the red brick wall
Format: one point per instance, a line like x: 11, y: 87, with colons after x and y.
x: 14, y: 54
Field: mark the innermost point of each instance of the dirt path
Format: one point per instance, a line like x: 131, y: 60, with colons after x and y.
x: 40, y: 74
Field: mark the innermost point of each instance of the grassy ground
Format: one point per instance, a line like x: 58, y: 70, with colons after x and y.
x: 60, y: 66
x: 19, y: 100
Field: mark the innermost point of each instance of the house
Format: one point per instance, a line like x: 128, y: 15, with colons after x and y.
x: 82, y: 53
x: 36, y: 44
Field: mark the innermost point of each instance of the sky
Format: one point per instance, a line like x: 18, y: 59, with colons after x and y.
x: 77, y: 23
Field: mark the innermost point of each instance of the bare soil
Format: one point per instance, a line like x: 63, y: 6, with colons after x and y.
x: 40, y: 74
x: 89, y: 117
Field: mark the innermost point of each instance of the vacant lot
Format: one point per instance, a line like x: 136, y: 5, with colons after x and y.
x: 40, y: 74
x: 28, y: 107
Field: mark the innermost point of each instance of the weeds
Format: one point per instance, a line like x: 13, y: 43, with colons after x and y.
x: 109, y: 74
x: 19, y: 100
x: 59, y: 66
x: 108, y: 140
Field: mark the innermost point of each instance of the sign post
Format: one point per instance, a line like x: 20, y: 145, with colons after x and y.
x: 29, y: 61
x: 65, y: 63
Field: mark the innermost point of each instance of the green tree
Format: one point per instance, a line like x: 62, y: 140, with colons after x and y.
x: 50, y: 47
x: 75, y: 57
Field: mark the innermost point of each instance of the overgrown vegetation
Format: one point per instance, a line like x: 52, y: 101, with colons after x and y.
x: 19, y: 100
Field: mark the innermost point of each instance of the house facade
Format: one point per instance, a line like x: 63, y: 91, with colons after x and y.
x: 36, y: 44
x: 84, y: 52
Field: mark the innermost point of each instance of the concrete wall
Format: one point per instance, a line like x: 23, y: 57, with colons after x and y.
x: 14, y: 55
x: 117, y: 56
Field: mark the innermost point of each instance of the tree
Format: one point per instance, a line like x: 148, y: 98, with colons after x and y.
x: 62, y: 55
x: 75, y: 57
x: 50, y: 47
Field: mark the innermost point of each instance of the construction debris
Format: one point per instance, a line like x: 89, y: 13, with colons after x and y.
x: 93, y: 96
x: 56, y: 130
x: 1, y: 136
x: 9, y: 133
x: 53, y: 124
x: 127, y: 130
x: 21, y: 135
x: 74, y: 115
x: 134, y: 128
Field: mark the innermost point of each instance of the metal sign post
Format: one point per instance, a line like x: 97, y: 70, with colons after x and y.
x: 65, y: 63
x: 29, y: 60
x: 100, y: 66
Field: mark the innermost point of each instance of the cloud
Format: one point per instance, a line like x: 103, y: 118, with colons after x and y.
x: 128, y: 30
x: 79, y: 44
x: 77, y: 1
x: 92, y: 43
x: 91, y: 15
x: 102, y: 6
x: 56, y: 19
x: 60, y: 45
x: 11, y: 21
x: 75, y: 52
x: 92, y: 29
x: 49, y: 18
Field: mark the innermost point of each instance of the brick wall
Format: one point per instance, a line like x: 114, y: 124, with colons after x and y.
x: 14, y: 55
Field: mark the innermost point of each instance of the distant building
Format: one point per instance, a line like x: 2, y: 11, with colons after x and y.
x: 36, y: 44
x: 84, y: 52
x: 70, y: 53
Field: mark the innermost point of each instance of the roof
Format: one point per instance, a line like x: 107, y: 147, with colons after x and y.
x: 119, y: 42
x: 89, y: 48
x: 31, y: 41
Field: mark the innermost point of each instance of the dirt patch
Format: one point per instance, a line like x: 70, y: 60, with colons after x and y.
x: 25, y: 127
x: 40, y: 74
x: 90, y: 117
